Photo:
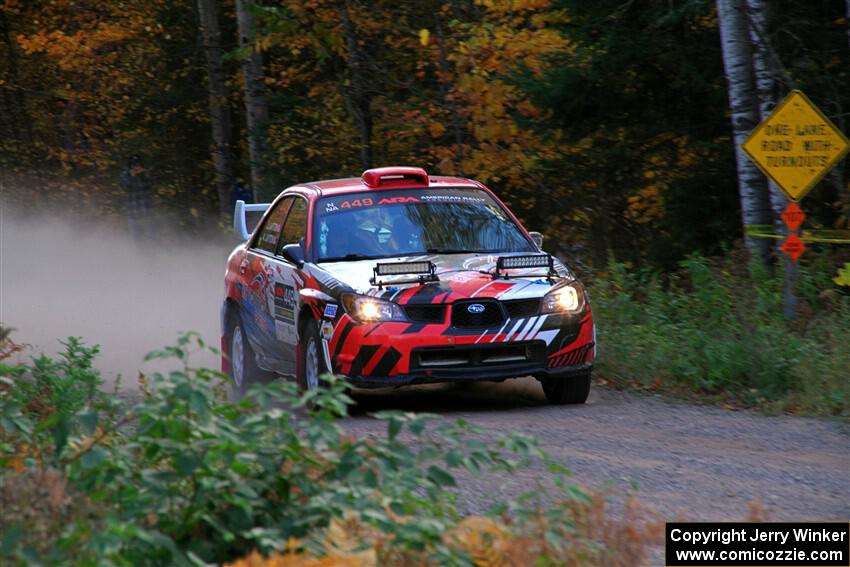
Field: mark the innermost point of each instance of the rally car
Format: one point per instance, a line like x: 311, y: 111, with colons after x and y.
x: 399, y: 277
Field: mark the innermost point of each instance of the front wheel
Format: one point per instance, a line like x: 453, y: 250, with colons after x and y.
x: 567, y: 390
x: 312, y: 364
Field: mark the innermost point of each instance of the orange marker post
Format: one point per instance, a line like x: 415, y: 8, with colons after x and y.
x: 793, y: 247
x: 793, y: 216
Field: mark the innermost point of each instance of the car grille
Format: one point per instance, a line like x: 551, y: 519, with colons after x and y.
x: 426, y: 313
x: 494, y: 313
x: 491, y: 315
x: 478, y: 355
x: 522, y: 308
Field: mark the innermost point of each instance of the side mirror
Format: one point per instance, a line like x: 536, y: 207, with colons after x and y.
x: 537, y: 237
x: 294, y: 254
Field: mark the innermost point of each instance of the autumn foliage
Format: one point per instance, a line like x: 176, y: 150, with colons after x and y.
x: 601, y: 123
x: 590, y: 536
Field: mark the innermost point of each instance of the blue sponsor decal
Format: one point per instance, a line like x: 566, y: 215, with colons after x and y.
x: 330, y: 310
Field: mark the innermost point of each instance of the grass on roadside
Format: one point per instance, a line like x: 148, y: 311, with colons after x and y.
x: 715, y: 330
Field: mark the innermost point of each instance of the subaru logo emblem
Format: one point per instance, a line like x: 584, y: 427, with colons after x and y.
x: 475, y: 308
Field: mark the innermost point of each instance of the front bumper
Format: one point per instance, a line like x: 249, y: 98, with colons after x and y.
x: 398, y: 354
x: 469, y: 375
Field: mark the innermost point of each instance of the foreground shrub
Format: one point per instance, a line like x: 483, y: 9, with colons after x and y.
x: 717, y: 328
x: 186, y: 476
x: 577, y: 532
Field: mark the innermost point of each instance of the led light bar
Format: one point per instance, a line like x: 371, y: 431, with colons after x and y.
x: 530, y: 261
x: 524, y: 262
x: 423, y: 272
x: 399, y: 268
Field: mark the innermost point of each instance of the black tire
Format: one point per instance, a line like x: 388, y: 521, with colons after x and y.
x: 312, y: 359
x: 567, y: 390
x: 243, y: 361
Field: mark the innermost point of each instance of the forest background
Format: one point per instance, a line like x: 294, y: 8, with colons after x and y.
x: 612, y: 126
x: 604, y: 124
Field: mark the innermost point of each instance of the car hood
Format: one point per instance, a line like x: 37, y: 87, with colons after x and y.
x: 460, y: 277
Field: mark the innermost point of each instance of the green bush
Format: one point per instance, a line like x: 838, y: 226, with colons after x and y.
x: 717, y: 328
x: 186, y: 476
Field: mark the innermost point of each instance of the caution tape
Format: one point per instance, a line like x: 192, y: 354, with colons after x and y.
x: 823, y: 236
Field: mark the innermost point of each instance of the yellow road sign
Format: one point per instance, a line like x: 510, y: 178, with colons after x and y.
x: 796, y: 145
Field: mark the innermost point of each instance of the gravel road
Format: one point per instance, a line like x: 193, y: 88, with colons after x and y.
x: 689, y: 462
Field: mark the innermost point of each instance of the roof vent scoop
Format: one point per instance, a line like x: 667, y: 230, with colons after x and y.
x: 396, y: 176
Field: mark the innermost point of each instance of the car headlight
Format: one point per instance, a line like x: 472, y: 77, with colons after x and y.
x: 567, y: 299
x: 370, y: 310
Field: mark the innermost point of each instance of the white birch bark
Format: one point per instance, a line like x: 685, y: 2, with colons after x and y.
x: 744, y: 110
x: 767, y: 88
x: 256, y: 110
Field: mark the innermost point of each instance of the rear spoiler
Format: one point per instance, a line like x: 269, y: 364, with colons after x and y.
x: 240, y: 226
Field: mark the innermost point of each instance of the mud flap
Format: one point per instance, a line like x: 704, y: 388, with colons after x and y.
x: 299, y: 363
x: 594, y: 341
x: 225, y: 356
x: 326, y: 349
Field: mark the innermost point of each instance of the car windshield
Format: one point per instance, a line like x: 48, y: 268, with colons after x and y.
x: 405, y: 222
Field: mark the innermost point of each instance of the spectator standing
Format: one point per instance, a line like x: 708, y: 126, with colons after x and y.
x: 240, y: 193
x: 139, y: 194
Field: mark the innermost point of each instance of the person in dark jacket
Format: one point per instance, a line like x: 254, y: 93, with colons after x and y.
x: 139, y: 194
x: 240, y: 193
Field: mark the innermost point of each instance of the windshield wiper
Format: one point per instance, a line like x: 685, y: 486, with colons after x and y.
x: 450, y: 251
x: 348, y: 258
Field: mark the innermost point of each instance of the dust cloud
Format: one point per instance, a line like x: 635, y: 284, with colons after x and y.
x: 62, y: 277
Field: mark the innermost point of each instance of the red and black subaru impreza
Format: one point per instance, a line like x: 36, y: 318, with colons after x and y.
x: 397, y: 278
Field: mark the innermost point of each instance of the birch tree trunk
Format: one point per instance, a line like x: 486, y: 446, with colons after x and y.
x: 744, y: 110
x: 767, y: 87
x: 256, y: 110
x: 770, y: 75
x: 218, y: 104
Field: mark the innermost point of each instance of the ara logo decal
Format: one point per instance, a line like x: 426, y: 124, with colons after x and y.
x: 284, y: 302
x: 330, y: 310
x: 390, y: 200
x: 475, y: 308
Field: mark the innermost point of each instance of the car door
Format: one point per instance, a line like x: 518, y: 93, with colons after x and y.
x: 287, y: 282
x: 261, y: 272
